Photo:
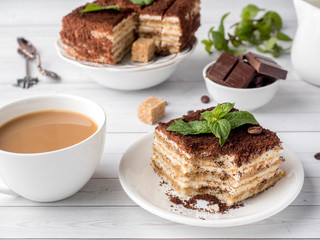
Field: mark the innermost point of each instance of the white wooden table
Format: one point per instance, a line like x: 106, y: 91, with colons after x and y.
x: 102, y: 209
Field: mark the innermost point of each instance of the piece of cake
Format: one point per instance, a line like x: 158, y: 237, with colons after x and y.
x: 180, y: 23
x: 105, y: 36
x: 150, y: 20
x: 102, y: 36
x: 196, y: 165
x: 143, y: 50
x: 151, y: 110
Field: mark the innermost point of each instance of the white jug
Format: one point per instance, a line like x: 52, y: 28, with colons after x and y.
x: 305, y: 54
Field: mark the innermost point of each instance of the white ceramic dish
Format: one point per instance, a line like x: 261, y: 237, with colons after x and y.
x: 247, y: 99
x: 129, y: 75
x: 142, y: 185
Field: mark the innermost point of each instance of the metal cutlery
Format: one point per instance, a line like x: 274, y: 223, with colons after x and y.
x: 28, y: 49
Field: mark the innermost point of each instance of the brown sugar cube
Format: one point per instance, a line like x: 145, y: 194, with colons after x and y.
x: 143, y: 50
x: 151, y: 110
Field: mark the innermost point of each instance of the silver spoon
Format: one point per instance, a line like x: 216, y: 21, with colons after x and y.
x: 30, y: 50
x: 27, y: 81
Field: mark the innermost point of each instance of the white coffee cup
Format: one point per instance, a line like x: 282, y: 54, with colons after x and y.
x: 55, y: 175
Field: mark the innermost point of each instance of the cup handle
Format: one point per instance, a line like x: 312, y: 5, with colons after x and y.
x: 4, y: 189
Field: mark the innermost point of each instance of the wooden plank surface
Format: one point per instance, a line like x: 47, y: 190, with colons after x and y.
x: 102, y: 209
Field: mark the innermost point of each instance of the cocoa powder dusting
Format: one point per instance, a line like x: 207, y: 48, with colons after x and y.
x: 211, y: 200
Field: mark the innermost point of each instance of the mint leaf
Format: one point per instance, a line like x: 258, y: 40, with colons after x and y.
x: 221, y: 26
x: 250, y: 11
x: 244, y: 30
x: 239, y: 118
x: 221, y: 129
x: 273, y: 20
x: 219, y: 42
x: 219, y: 121
x: 182, y: 127
x: 283, y: 37
x: 264, y: 31
x: 208, y: 45
x: 221, y: 110
x: 269, y: 45
x: 218, y: 112
x: 142, y: 2
x: 200, y: 127
x: 209, y: 116
x: 190, y: 128
x: 93, y: 8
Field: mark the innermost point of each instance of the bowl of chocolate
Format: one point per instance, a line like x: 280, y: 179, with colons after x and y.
x: 250, y: 80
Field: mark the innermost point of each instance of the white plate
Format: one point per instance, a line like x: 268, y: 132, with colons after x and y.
x: 142, y: 185
x: 129, y: 75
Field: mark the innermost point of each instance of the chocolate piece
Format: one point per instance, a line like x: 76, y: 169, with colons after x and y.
x: 261, y: 81
x: 257, y: 81
x: 219, y: 71
x: 241, y: 75
x: 317, y: 156
x: 255, y: 130
x: 205, y: 99
x: 266, y: 66
x: 190, y: 111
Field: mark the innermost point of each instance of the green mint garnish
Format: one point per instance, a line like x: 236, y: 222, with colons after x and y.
x: 220, y: 121
x: 142, y: 2
x: 264, y: 32
x: 93, y: 8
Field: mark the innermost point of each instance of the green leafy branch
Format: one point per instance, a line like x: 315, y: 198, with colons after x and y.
x: 264, y: 32
x: 220, y: 121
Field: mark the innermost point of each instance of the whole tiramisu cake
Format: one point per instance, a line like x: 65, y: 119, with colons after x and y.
x: 106, y: 35
x: 230, y: 167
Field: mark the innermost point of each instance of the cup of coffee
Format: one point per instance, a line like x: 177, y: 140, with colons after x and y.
x: 50, y: 145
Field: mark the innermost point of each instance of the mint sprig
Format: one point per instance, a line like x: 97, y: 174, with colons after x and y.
x: 93, y: 8
x: 264, y: 32
x: 220, y: 121
x: 142, y: 2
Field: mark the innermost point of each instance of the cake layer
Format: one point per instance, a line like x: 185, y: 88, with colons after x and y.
x: 150, y: 20
x: 103, y: 37
x: 258, y: 185
x: 179, y: 24
x: 225, y: 163
x: 200, y: 178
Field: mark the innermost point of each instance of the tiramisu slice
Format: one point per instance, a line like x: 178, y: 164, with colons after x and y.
x: 179, y: 24
x: 194, y: 165
x: 102, y: 36
x: 150, y: 20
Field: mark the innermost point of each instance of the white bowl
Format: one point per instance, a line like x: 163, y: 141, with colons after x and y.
x: 247, y: 99
x: 129, y: 75
x: 55, y: 175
